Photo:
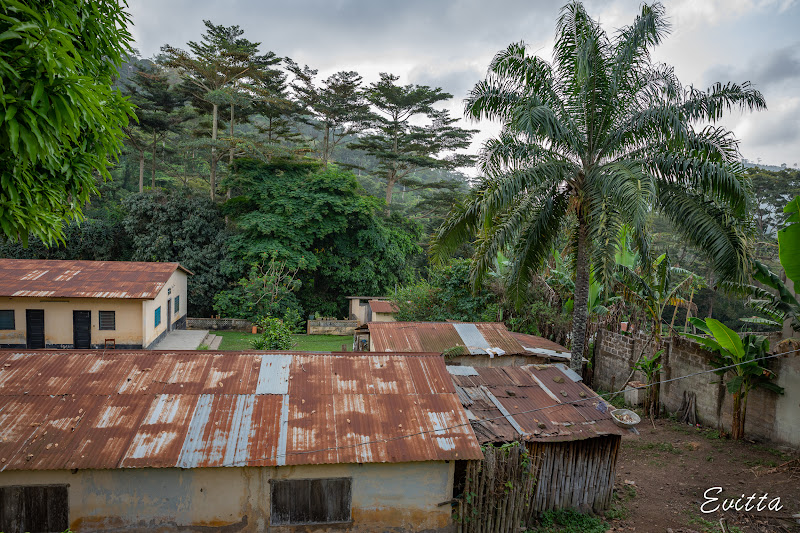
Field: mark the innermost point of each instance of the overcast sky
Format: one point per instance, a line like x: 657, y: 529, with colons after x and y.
x: 448, y: 43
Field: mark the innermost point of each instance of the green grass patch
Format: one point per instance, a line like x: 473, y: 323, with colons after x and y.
x: 240, y: 340
x: 569, y: 521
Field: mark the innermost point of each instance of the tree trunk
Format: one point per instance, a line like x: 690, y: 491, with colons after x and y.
x: 389, y: 187
x: 581, y: 308
x: 141, y: 170
x: 212, y: 179
x: 325, y: 147
x: 153, y: 166
x: 230, y: 155
x: 737, y: 426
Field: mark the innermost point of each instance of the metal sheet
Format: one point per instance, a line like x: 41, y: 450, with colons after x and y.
x: 83, y: 279
x: 132, y: 409
x: 472, y: 338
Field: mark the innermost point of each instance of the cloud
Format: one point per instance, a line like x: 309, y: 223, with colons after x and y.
x: 457, y: 82
x: 776, y: 128
x: 777, y: 67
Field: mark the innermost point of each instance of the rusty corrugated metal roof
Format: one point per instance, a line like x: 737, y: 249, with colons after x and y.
x: 534, y: 341
x: 478, y: 338
x: 132, y: 409
x: 531, y: 402
x: 46, y: 278
x: 382, y: 306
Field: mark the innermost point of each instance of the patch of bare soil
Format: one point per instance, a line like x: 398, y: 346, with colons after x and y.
x: 663, y: 475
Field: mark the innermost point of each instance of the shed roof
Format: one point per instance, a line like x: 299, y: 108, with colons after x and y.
x: 478, y: 337
x: 382, y: 306
x: 545, y: 403
x: 47, y: 278
x: 73, y: 409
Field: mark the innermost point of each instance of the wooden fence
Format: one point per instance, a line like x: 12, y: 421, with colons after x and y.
x: 497, y: 491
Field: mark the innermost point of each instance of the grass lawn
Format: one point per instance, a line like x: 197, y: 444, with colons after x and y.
x: 240, y: 340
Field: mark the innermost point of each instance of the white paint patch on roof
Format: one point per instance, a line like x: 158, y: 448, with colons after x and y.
x: 472, y: 338
x: 461, y: 370
x: 273, y: 376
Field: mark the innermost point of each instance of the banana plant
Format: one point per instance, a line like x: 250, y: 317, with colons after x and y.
x: 779, y: 306
x: 741, y: 360
x: 789, y: 242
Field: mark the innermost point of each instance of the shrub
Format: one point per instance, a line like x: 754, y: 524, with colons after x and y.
x: 275, y: 335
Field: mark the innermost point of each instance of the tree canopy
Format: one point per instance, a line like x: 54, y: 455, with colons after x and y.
x: 60, y: 118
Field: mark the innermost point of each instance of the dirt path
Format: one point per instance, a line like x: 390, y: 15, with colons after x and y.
x: 662, y: 476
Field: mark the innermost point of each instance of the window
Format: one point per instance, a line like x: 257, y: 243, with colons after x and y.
x: 158, y: 316
x: 34, y: 508
x: 177, y: 304
x: 108, y: 320
x: 310, y: 501
x: 7, y: 319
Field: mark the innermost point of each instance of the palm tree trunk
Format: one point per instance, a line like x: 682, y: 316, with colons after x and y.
x: 580, y: 310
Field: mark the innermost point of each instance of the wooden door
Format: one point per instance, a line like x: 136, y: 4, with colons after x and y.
x: 34, y: 328
x: 81, y: 330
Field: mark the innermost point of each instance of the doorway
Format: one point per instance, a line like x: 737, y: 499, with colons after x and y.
x: 34, y: 328
x: 81, y: 330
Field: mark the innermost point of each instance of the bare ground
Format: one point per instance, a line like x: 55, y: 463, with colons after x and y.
x: 663, y: 473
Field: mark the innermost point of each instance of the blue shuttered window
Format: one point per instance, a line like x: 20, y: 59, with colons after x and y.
x: 158, y: 316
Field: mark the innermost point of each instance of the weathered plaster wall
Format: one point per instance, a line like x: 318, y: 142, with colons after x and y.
x: 331, y: 327
x: 769, y: 416
x: 383, y: 317
x: 502, y: 360
x: 175, y: 286
x: 400, y: 496
x: 58, y: 328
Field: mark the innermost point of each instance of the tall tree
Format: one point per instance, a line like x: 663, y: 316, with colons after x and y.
x: 336, y: 108
x: 157, y: 103
x: 60, y: 119
x: 396, y: 140
x: 212, y: 70
x: 592, y: 141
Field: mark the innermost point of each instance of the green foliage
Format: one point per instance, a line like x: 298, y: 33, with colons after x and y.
x: 599, y: 138
x: 320, y: 221
x: 396, y: 140
x: 185, y: 229
x: 446, y: 295
x: 60, y: 119
x: 569, y: 521
x: 275, y: 335
x: 789, y: 242
x: 747, y: 355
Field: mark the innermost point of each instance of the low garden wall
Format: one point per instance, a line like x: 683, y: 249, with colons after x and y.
x: 769, y: 416
x: 331, y: 327
x: 237, y: 324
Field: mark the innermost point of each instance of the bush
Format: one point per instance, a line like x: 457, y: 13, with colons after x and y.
x: 275, y: 335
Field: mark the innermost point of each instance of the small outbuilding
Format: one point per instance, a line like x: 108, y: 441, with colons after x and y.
x: 89, y: 304
x: 567, y: 430
x: 365, y: 309
x: 462, y: 343
x: 208, y: 441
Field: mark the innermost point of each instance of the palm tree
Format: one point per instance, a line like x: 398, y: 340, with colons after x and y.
x: 597, y: 139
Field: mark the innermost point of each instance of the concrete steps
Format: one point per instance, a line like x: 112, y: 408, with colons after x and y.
x: 212, y: 341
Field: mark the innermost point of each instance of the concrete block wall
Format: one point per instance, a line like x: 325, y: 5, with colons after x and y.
x: 770, y: 417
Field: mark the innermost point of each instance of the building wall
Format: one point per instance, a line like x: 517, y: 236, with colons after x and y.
x: 331, y: 327
x: 359, y: 311
x: 769, y: 416
x: 175, y: 286
x: 399, y: 496
x: 58, y: 326
x: 383, y: 317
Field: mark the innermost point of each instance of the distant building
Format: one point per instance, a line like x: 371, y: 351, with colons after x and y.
x: 89, y: 304
x: 371, y: 309
x: 204, y: 441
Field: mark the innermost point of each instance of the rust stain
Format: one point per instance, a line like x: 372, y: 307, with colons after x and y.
x: 46, y: 278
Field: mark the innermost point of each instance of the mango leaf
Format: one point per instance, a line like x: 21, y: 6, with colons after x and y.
x: 726, y: 337
x: 789, y: 242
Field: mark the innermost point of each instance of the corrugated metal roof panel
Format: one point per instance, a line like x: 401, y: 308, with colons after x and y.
x: 540, y: 401
x: 83, y: 279
x: 441, y: 336
x: 382, y: 306
x: 129, y: 409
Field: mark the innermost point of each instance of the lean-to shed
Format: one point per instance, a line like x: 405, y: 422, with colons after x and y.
x: 232, y: 441
x: 566, y: 428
